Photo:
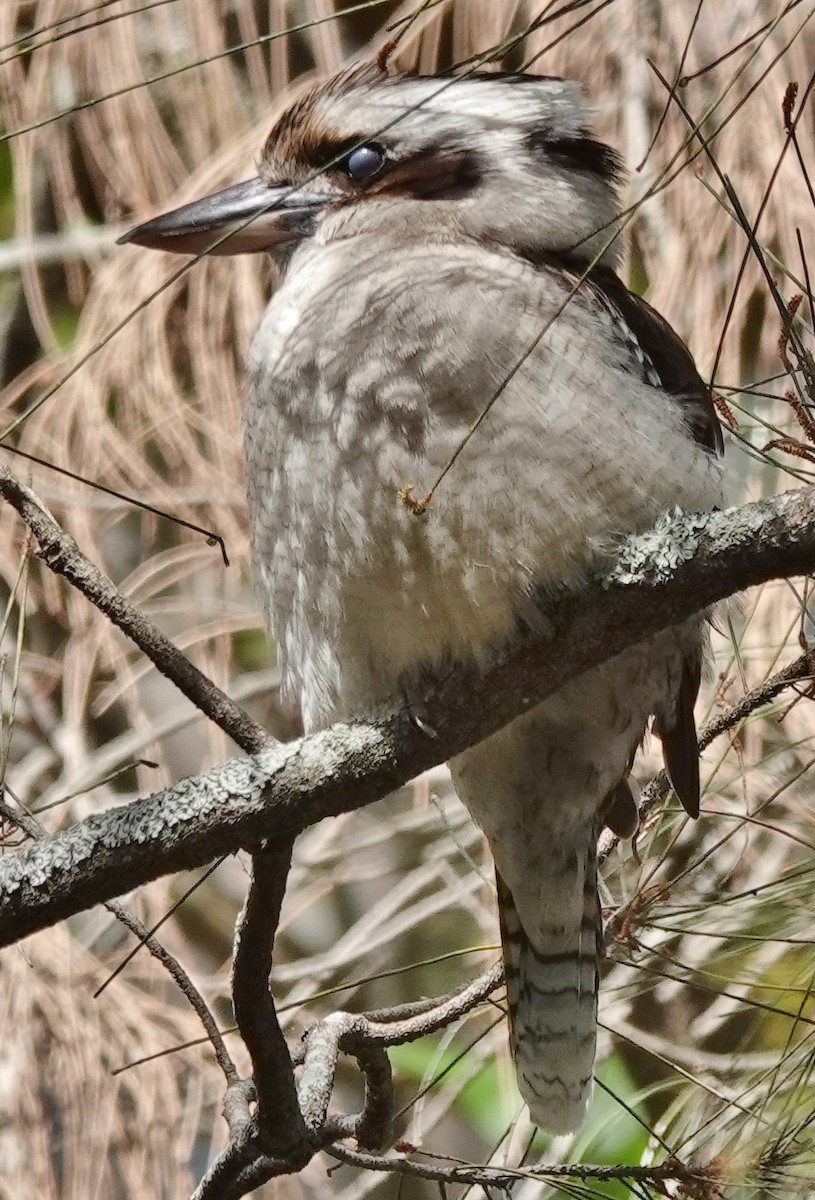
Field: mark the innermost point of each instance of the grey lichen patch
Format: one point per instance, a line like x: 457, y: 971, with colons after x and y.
x: 237, y: 787
x: 737, y: 526
x: 653, y: 556
x: 239, y: 783
x: 324, y: 754
x: 35, y: 865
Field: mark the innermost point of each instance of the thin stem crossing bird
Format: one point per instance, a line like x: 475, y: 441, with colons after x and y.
x: 447, y: 265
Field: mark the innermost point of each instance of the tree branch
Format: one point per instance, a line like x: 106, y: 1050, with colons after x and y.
x: 660, y: 578
x: 254, y: 1010
x: 366, y: 1036
x: 501, y: 1177
x: 274, y: 1138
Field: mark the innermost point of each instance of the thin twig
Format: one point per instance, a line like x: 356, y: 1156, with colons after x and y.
x: 366, y: 1036
x: 60, y: 552
x: 33, y: 829
x: 185, y: 984
x: 659, y: 788
x: 501, y: 1177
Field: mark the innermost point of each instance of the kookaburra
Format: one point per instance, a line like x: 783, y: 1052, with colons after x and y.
x: 433, y: 235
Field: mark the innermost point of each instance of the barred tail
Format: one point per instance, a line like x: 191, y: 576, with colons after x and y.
x: 552, y: 979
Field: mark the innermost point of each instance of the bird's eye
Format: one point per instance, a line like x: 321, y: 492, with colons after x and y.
x: 364, y: 162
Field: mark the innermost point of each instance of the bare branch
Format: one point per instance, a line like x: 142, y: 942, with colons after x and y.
x: 60, y: 552
x: 501, y: 1177
x: 662, y: 577
x: 802, y: 668
x: 288, y: 1127
x: 365, y: 1036
x: 274, y: 1138
x: 185, y: 984
x: 254, y: 1010
x: 32, y: 827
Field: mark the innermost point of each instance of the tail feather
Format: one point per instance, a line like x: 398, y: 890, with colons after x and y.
x: 541, y: 789
x: 552, y: 976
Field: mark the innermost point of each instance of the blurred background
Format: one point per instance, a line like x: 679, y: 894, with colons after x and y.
x: 123, y: 369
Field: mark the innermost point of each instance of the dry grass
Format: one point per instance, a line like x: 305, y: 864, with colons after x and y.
x: 70, y: 1128
x: 102, y: 125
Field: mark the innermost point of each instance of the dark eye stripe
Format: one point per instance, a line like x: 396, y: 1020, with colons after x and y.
x: 434, y: 175
x: 577, y: 153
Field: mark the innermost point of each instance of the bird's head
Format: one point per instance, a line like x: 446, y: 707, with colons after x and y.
x: 507, y: 159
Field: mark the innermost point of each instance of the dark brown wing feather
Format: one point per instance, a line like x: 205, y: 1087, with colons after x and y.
x: 669, y: 356
x: 680, y: 749
x: 666, y: 362
x: 620, y: 811
x: 674, y: 365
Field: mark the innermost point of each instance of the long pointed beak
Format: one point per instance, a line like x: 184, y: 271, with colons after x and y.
x: 259, y: 215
